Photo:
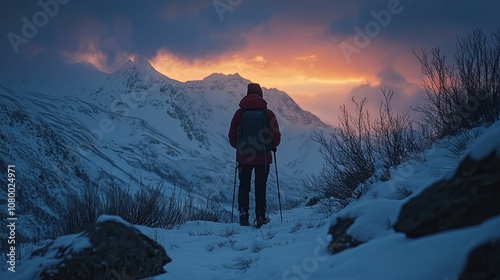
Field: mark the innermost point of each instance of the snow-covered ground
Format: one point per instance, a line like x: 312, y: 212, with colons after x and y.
x: 292, y: 249
x: 296, y: 248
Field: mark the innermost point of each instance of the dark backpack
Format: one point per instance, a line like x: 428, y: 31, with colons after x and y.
x: 254, y: 134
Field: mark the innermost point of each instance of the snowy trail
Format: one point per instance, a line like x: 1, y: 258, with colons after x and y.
x: 296, y: 248
x: 207, y: 250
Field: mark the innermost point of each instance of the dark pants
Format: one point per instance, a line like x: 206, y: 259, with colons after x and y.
x: 245, y: 176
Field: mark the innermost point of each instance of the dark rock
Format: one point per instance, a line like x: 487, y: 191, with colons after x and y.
x: 112, y: 249
x: 386, y: 176
x: 312, y: 201
x: 469, y: 197
x: 341, y: 240
x: 483, y: 263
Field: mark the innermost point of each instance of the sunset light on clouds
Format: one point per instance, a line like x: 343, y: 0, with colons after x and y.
x: 320, y: 52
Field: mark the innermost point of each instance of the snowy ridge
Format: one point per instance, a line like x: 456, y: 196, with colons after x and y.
x: 42, y: 160
x: 138, y: 125
x: 296, y: 248
x: 149, y: 134
x: 484, y: 147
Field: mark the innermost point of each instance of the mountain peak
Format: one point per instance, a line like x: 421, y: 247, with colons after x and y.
x: 139, y: 71
x: 140, y: 65
x: 225, y: 77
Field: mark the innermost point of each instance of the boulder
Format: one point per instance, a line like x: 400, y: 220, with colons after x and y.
x: 483, y: 263
x: 467, y: 198
x: 112, y: 249
x: 341, y: 240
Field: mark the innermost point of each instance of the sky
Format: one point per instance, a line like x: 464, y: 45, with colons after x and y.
x: 320, y: 52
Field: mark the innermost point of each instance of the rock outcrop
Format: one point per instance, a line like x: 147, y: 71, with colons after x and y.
x: 483, y: 262
x: 341, y: 240
x: 112, y: 249
x: 467, y: 198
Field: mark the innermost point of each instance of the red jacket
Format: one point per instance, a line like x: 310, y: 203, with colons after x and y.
x: 254, y: 101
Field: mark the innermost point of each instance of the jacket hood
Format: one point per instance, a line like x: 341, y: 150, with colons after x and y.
x: 253, y: 101
x: 254, y: 88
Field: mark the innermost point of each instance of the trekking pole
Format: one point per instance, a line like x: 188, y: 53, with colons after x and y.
x: 278, y: 184
x: 234, y: 185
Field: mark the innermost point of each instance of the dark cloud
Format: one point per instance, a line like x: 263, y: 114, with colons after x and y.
x: 196, y: 29
x: 419, y: 23
x: 390, y: 77
x: 406, y: 94
x: 343, y: 27
x: 189, y: 30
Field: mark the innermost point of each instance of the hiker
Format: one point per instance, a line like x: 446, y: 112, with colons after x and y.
x: 254, y: 133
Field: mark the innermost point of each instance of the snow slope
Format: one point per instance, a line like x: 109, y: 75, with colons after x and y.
x: 295, y: 248
x: 141, y: 124
x: 138, y: 126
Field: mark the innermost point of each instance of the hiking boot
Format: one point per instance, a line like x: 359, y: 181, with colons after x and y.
x: 261, y: 219
x: 244, y: 219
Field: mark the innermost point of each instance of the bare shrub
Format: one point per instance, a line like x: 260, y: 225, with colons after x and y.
x: 439, y: 110
x: 394, y: 135
x: 149, y: 206
x: 478, y: 68
x: 80, y: 211
x: 403, y: 191
x: 297, y: 226
x: 210, y: 211
x: 117, y: 200
x: 228, y: 232
x: 154, y: 209
x: 331, y: 205
x: 242, y: 263
x: 461, y: 95
x: 352, y: 149
x: 460, y: 142
x: 206, y: 232
x: 348, y: 155
x: 466, y: 92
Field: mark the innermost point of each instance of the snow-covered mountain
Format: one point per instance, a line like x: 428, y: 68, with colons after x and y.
x: 298, y: 247
x: 138, y: 125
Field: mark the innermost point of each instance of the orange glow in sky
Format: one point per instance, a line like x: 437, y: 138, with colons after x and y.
x: 267, y: 71
x: 311, y: 69
x: 322, y: 54
x: 314, y: 73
